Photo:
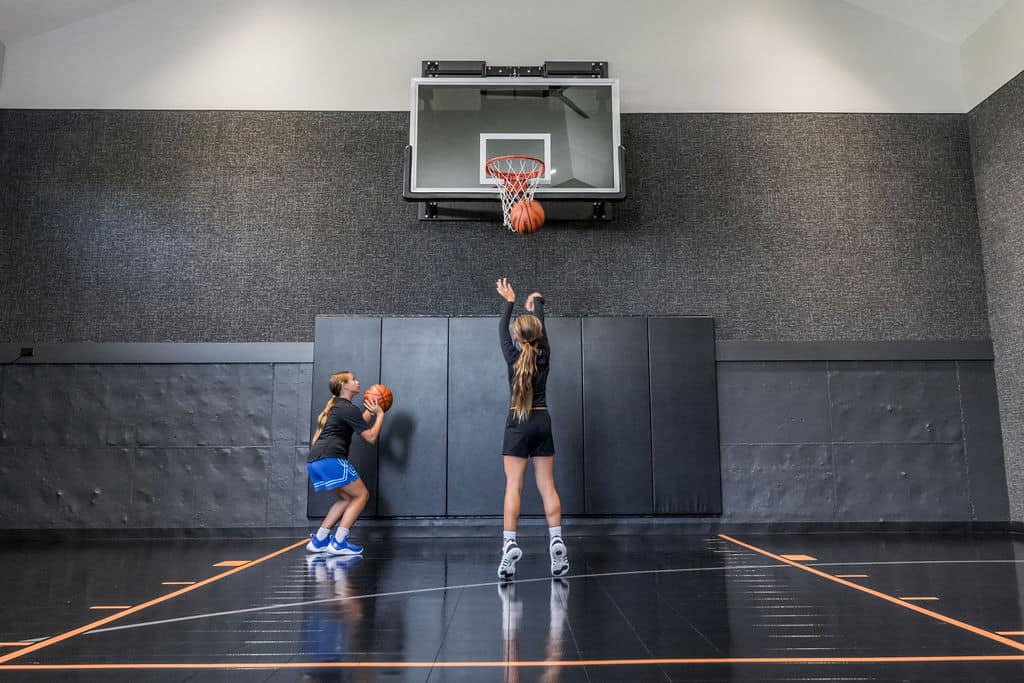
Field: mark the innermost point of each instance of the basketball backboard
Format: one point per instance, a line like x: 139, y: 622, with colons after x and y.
x: 456, y: 124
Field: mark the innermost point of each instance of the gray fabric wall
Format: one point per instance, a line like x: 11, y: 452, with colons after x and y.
x: 997, y: 146
x: 145, y: 226
x: 243, y: 226
x: 224, y: 445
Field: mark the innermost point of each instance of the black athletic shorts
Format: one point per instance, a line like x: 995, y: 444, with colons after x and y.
x: 530, y: 437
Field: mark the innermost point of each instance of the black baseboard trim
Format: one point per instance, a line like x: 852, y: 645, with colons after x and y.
x: 476, y: 527
x: 86, y: 353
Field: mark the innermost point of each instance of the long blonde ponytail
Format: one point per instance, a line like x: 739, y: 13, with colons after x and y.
x: 335, y: 384
x: 529, y: 330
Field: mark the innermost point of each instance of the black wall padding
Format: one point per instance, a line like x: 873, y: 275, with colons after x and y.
x: 414, y: 365
x: 617, y: 416
x: 684, y: 422
x: 346, y: 343
x: 478, y: 401
x: 633, y: 404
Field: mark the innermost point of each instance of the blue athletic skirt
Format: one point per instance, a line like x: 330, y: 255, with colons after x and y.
x: 331, y: 473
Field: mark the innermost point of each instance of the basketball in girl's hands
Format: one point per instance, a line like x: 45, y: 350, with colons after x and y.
x: 382, y: 394
x: 526, y: 216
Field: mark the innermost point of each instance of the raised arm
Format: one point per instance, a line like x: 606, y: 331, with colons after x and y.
x: 508, y: 349
x: 535, y: 305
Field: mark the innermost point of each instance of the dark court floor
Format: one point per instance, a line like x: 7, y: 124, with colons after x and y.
x: 815, y: 607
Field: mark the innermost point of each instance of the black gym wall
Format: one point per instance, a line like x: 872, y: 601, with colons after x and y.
x: 148, y: 226
x: 997, y: 145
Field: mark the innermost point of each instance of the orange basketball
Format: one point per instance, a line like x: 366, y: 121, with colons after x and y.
x: 526, y: 216
x: 382, y: 394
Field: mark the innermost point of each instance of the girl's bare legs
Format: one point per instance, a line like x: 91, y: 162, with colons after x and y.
x: 337, y: 510
x: 515, y: 470
x: 543, y: 472
x: 358, y: 496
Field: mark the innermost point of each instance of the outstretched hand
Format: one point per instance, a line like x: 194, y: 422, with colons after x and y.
x: 370, y: 403
x: 529, y: 300
x: 505, y: 290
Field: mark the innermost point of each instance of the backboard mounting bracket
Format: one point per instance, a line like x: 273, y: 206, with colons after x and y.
x: 449, y: 68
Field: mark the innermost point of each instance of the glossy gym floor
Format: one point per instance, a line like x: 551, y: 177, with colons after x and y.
x: 688, y: 607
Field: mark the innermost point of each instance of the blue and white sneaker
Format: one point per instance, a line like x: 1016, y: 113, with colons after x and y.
x: 510, y: 554
x: 559, y: 557
x: 317, y: 546
x: 345, y: 547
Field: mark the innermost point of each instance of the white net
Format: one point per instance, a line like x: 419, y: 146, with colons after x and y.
x: 517, y: 178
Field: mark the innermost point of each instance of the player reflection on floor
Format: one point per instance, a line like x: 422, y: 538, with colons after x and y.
x: 511, y: 615
x: 328, y: 629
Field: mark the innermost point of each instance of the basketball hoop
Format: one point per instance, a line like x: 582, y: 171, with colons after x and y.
x: 517, y: 177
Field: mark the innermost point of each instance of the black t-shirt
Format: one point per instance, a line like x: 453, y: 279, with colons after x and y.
x: 511, y: 353
x: 344, y: 420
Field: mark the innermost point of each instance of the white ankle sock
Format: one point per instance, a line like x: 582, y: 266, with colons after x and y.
x: 322, y: 533
x: 554, y: 532
x: 507, y: 536
x: 341, y: 534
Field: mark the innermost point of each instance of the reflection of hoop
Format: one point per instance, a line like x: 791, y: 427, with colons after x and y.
x: 517, y: 177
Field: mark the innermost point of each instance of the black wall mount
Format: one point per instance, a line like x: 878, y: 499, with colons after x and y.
x: 449, y: 68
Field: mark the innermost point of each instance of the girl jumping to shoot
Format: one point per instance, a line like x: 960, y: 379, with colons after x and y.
x: 528, y: 428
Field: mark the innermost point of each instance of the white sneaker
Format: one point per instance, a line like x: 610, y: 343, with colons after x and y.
x: 510, y: 554
x: 559, y: 557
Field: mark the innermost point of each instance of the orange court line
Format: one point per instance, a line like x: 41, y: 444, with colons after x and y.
x: 884, y: 596
x: 138, y: 608
x: 110, y: 607
x: 176, y: 583
x: 520, y: 664
x: 231, y: 563
x: 799, y: 558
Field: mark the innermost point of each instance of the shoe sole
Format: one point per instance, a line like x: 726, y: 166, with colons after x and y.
x: 310, y: 548
x: 343, y: 553
x: 559, y: 562
x: 513, y: 556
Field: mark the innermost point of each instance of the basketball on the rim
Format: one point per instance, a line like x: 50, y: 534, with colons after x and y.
x: 382, y: 394
x: 526, y: 216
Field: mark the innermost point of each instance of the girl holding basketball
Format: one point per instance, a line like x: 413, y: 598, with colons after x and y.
x: 328, y: 465
x: 528, y: 429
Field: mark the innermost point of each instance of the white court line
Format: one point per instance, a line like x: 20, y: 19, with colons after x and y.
x: 427, y: 590
x: 265, y: 608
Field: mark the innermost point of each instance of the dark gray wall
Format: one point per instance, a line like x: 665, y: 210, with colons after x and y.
x: 243, y: 226
x: 224, y: 445
x: 860, y: 441
x: 997, y: 145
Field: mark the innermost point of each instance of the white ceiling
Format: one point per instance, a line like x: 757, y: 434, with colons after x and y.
x: 26, y: 18
x: 951, y: 20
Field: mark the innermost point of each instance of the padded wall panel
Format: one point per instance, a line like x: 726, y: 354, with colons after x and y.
x: 900, y: 402
x: 353, y: 344
x: 983, y: 440
x: 921, y: 482
x: 478, y: 400
x: 413, y: 454
x: 684, y: 416
x: 617, y: 416
x: 773, y: 402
